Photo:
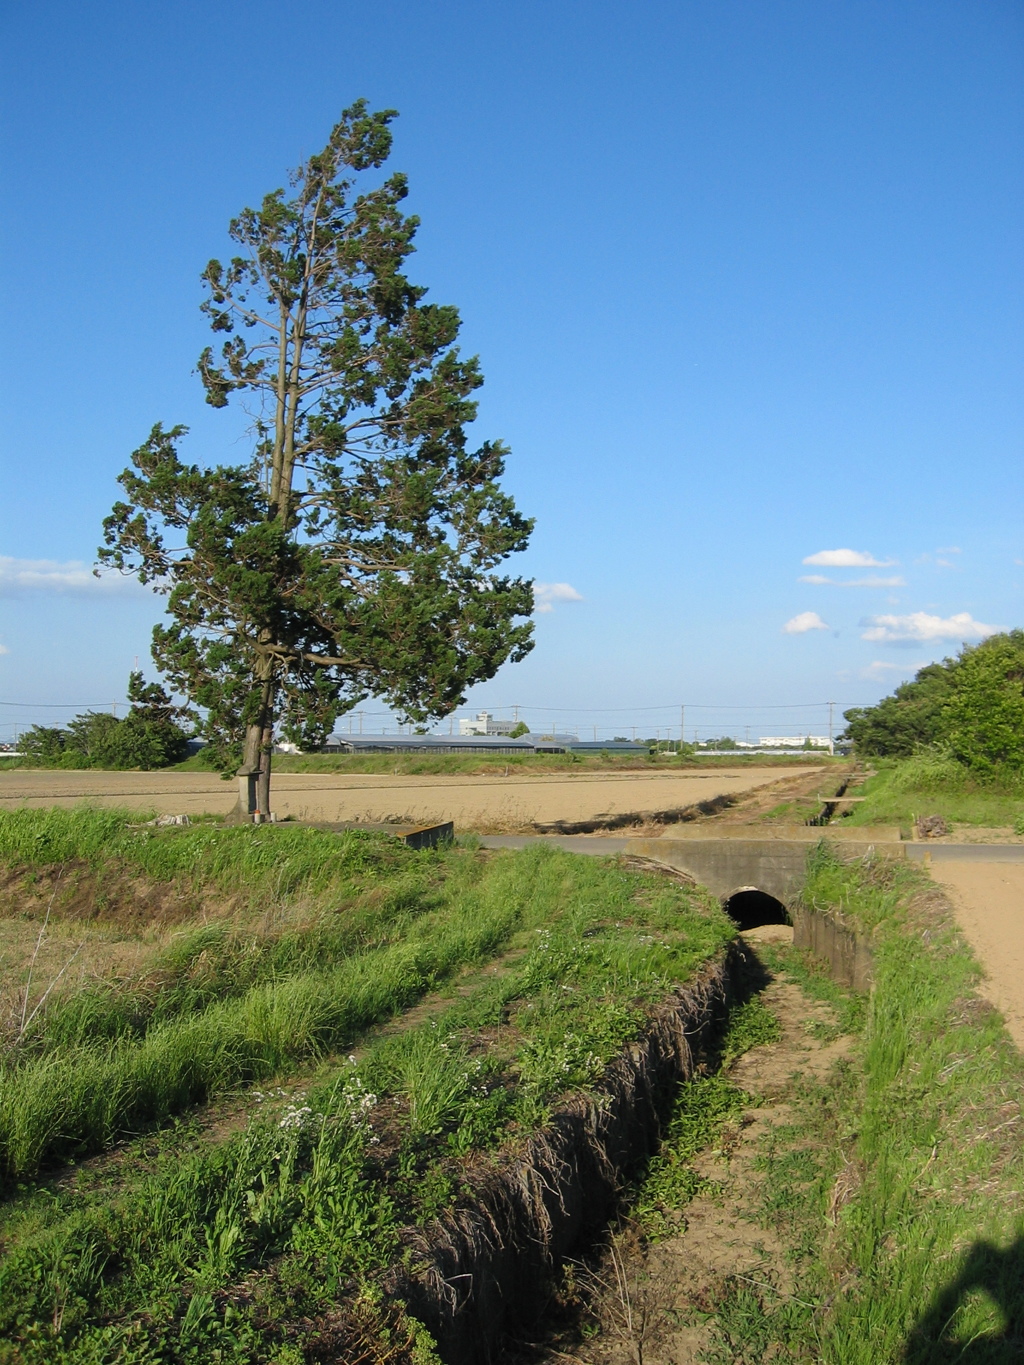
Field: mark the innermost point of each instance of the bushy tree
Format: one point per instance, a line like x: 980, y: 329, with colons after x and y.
x: 43, y: 744
x: 971, y: 706
x: 354, y: 551
x: 984, y: 716
x: 150, y: 736
x: 912, y: 718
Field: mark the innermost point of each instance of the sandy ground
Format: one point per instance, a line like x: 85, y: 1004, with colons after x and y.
x: 474, y: 803
x: 989, y: 903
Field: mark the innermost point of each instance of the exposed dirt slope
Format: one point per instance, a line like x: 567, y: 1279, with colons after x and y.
x: 657, y: 1302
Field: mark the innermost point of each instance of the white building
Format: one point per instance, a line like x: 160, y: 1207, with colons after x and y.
x: 793, y: 741
x: 485, y: 724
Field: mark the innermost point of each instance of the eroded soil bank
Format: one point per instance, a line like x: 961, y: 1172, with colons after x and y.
x: 646, y: 1299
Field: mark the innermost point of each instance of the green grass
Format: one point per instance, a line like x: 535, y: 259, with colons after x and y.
x: 898, y: 1186
x: 281, y: 860
x: 104, y: 1063
x: 304, y: 1205
x: 931, y: 785
x: 498, y: 765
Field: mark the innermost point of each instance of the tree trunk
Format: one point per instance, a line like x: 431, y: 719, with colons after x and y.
x: 263, y: 781
x: 254, y: 774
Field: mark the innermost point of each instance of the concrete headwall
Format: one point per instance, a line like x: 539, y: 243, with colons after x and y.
x: 773, y: 862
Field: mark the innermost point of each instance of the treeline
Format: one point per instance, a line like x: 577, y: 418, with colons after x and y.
x: 971, y: 707
x: 150, y: 736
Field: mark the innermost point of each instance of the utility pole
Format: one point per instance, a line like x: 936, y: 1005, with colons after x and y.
x: 831, y: 745
x: 682, y: 726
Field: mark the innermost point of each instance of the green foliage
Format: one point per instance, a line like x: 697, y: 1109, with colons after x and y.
x: 934, y: 783
x: 984, y: 717
x: 751, y: 1024
x: 701, y: 1110
x: 521, y: 729
x: 833, y: 883
x: 911, y: 718
x: 148, y: 737
x: 291, y: 599
x: 938, y: 1167
x: 971, y: 706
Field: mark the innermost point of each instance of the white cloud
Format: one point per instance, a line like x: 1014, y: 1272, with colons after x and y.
x: 847, y: 559
x: 807, y: 620
x: 545, y: 595
x: 874, y: 582
x: 21, y: 576
x: 4, y: 649
x: 878, y: 669
x: 920, y: 627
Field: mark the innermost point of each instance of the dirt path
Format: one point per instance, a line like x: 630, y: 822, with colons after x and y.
x: 660, y: 1303
x: 478, y: 803
x: 989, y: 903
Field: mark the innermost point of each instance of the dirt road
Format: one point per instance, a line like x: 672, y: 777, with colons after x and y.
x: 487, y: 804
x: 989, y: 903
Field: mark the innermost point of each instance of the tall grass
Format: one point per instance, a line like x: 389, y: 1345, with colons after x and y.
x: 931, y: 783
x: 74, y: 1099
x: 147, y: 1275
x: 279, y: 860
x: 925, y: 1264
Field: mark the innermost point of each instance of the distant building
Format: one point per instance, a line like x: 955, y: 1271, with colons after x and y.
x: 793, y: 741
x: 426, y: 744
x: 485, y: 724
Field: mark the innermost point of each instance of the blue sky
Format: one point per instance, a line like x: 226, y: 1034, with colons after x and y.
x: 745, y: 281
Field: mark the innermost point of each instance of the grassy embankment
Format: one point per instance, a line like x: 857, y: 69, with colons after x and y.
x: 899, y: 1186
x: 500, y: 765
x: 240, y: 1240
x: 903, y: 789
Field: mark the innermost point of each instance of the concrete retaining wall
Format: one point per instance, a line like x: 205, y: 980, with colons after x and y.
x: 847, y: 951
x: 773, y: 861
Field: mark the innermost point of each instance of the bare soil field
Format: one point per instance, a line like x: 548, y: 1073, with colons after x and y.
x: 486, y: 804
x: 989, y: 903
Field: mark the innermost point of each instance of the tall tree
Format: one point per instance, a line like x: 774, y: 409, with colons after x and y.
x: 354, y: 552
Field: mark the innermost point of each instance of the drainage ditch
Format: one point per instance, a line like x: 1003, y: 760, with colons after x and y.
x: 483, y: 1269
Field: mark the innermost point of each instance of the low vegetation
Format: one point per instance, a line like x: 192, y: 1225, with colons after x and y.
x: 241, y: 1230
x: 898, y: 1187
x: 149, y: 736
x: 932, y: 783
x: 504, y: 765
x: 970, y: 708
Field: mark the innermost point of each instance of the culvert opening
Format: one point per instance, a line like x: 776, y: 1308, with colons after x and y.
x: 751, y: 908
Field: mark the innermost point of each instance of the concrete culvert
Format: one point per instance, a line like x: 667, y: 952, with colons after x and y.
x: 750, y: 908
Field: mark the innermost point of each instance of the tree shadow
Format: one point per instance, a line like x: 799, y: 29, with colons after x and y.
x: 995, y: 1272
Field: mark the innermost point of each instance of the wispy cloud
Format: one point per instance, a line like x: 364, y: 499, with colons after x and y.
x: 847, y: 559
x: 19, y: 577
x: 873, y: 582
x: 4, y: 649
x: 807, y: 620
x: 545, y: 595
x: 919, y: 627
x: 878, y: 669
